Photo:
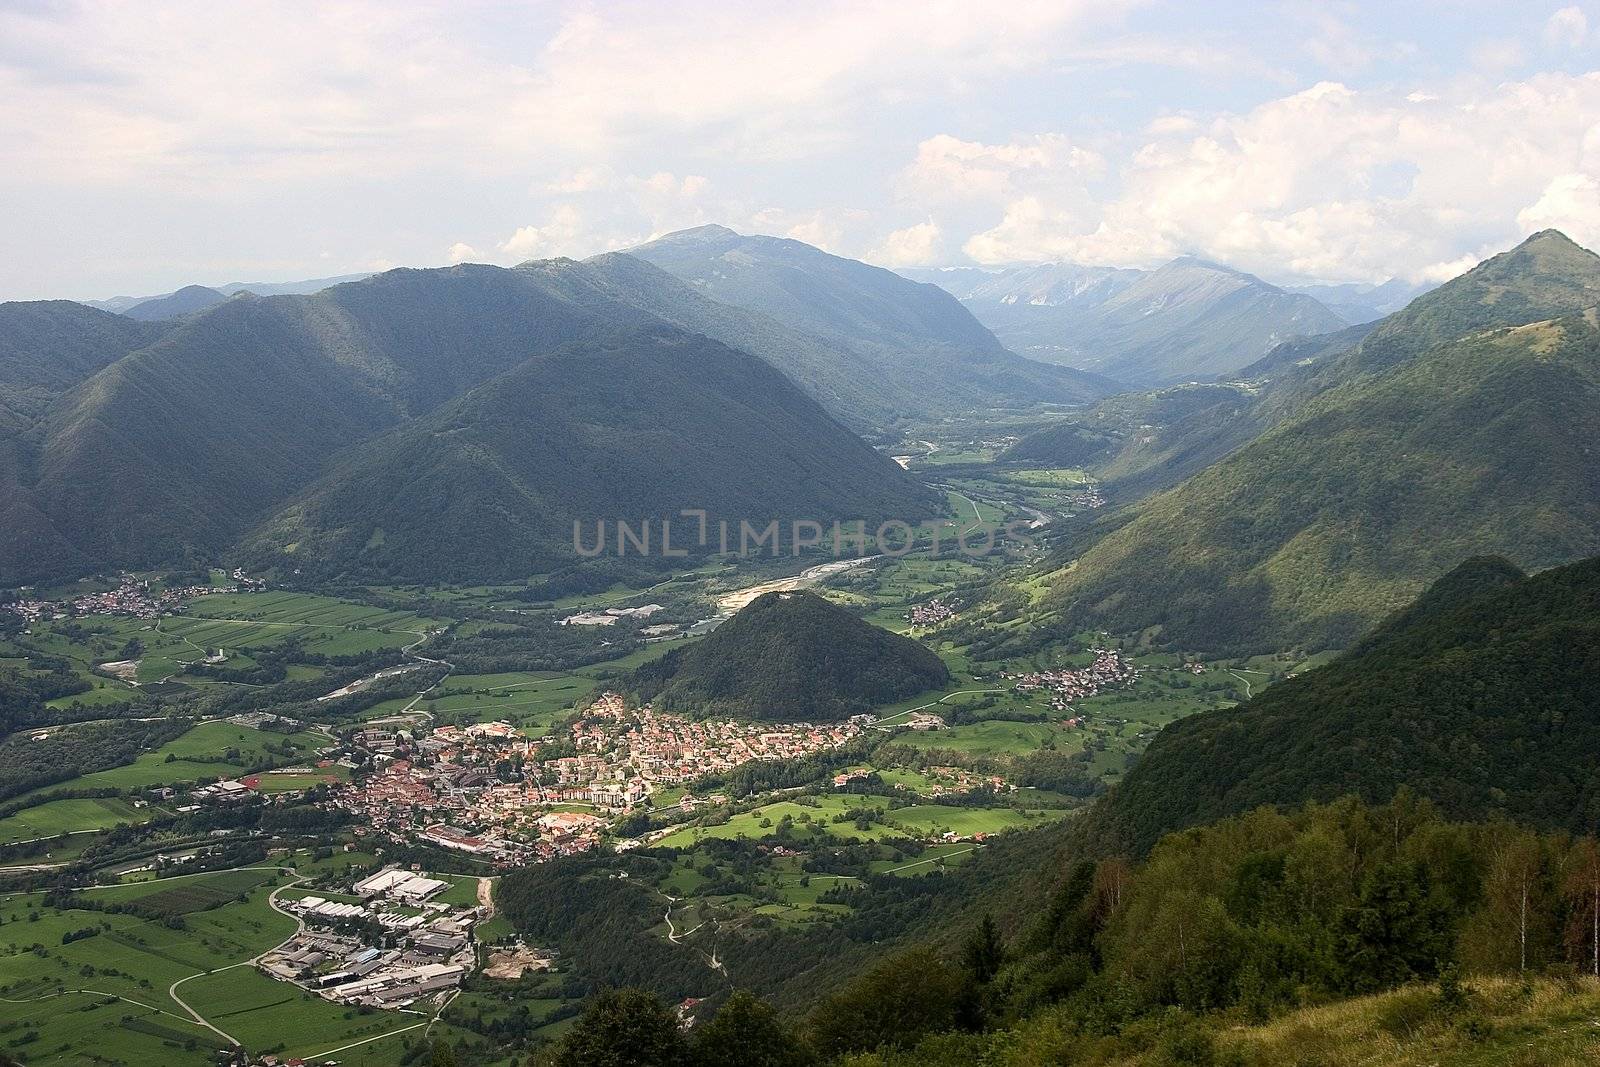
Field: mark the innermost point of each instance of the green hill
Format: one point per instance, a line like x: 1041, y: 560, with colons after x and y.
x: 792, y: 656
x: 1484, y: 695
x: 1395, y: 461
x: 635, y: 425
x: 136, y: 444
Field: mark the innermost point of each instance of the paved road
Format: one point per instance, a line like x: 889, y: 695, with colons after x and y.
x: 172, y: 990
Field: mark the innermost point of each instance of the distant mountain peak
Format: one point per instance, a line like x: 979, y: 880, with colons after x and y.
x: 711, y: 231
x: 1201, y: 263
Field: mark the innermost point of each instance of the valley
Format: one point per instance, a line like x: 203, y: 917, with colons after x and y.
x: 363, y: 724
x: 1013, y: 692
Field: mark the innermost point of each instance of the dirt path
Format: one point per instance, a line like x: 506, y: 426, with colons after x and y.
x: 486, y: 897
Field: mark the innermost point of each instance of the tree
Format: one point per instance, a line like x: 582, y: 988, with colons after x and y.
x: 746, y: 1033
x: 624, y: 1028
x: 983, y: 953
x: 1511, y: 931
x: 1398, y: 929
x: 1581, y: 888
x: 443, y: 1056
x: 894, y: 1006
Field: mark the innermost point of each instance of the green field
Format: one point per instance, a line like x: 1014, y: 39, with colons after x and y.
x: 532, y: 701
x: 130, y: 962
x: 266, y: 1015
x: 199, y: 753
x: 748, y: 824
x: 73, y: 816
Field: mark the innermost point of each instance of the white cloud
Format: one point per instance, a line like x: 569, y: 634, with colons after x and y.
x: 461, y: 252
x: 1567, y: 28
x: 947, y: 167
x: 1337, y: 184
x: 1570, y: 203
x: 915, y: 246
x: 561, y: 235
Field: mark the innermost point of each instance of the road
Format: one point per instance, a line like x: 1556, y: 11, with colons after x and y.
x: 272, y: 902
x: 931, y: 703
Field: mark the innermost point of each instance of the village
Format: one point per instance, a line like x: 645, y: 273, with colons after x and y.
x: 488, y: 790
x: 1108, y: 670
x: 133, y: 597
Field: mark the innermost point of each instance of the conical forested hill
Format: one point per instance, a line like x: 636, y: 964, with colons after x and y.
x: 792, y: 656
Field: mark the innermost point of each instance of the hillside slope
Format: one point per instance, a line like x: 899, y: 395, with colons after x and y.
x: 1483, y: 696
x: 147, y: 444
x: 789, y: 656
x: 633, y: 425
x: 1392, y: 462
x: 913, y: 346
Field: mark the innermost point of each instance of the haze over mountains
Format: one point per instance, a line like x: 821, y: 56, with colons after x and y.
x: 902, y: 347
x: 1189, y: 320
x: 123, y: 304
x: 1464, y: 424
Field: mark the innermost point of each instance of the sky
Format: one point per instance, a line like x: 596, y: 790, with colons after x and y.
x: 148, y: 145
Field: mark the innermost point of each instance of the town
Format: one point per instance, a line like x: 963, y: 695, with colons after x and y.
x: 487, y: 790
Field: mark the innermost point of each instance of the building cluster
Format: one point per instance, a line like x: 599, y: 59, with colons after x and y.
x: 610, y: 616
x: 1109, y: 670
x: 953, y: 781
x: 488, y: 790
x: 133, y: 597
x: 388, y: 944
x: 932, y: 613
x: 1085, y: 498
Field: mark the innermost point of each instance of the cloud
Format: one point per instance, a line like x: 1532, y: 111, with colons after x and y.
x: 461, y: 252
x: 1334, y: 183
x: 1567, y: 28
x: 561, y: 235
x: 1570, y: 203
x: 947, y: 167
x: 915, y: 246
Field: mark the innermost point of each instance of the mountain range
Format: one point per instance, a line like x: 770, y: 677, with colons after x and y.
x: 123, y: 304
x: 895, y: 349
x: 1190, y: 320
x: 271, y: 422
x: 1462, y: 425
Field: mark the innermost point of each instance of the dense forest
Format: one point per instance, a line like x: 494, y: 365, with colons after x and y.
x: 1234, y: 923
x: 1483, y: 696
x: 791, y: 656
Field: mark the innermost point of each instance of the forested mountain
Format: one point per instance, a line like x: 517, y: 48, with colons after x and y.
x: 185, y: 301
x: 147, y: 444
x: 1189, y: 320
x: 849, y: 387
x: 789, y: 656
x: 1437, y: 437
x: 634, y: 425
x: 49, y: 346
x: 1483, y: 696
x: 912, y: 345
